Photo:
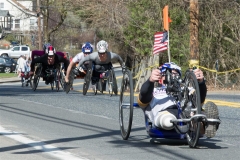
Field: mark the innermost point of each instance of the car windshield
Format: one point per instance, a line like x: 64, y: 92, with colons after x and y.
x: 9, y: 60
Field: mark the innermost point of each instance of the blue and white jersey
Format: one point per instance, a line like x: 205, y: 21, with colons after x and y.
x: 161, y: 100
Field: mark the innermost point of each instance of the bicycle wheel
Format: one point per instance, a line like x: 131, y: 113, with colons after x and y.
x: 52, y: 85
x: 126, y: 105
x: 192, y: 95
x: 87, y: 80
x: 57, y: 80
x: 36, y: 78
x: 110, y: 83
x: 31, y: 81
x: 115, y: 87
x: 22, y: 80
x: 62, y: 80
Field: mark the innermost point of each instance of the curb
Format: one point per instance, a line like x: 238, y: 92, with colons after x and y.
x: 7, y: 80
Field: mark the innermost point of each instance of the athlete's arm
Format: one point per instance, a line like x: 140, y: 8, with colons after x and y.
x: 69, y: 70
x: 37, y: 60
x: 146, y: 93
x: 116, y: 56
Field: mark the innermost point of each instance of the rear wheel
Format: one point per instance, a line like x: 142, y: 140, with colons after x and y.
x: 110, y: 83
x: 87, y: 80
x: 35, y: 82
x: 126, y: 105
x: 192, y: 95
x: 52, y: 84
x: 36, y: 78
x: 115, y: 87
x: 58, y: 80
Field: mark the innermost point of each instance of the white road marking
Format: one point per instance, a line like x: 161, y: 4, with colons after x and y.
x: 38, y: 145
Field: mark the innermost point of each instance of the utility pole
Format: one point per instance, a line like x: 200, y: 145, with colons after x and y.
x: 45, y: 20
x: 39, y: 25
x: 194, y: 44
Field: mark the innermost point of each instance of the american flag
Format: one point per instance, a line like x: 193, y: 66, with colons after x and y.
x: 160, y: 42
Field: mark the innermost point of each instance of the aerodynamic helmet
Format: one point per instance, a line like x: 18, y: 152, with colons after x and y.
x: 102, y: 46
x: 87, y: 48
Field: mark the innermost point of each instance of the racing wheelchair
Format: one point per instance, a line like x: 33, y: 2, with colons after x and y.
x: 187, y: 97
x: 54, y: 75
x: 107, y: 76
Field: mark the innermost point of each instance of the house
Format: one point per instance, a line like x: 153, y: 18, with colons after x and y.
x: 18, y: 17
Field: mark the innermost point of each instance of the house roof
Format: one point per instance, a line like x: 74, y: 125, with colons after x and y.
x: 5, y: 13
x: 21, y: 7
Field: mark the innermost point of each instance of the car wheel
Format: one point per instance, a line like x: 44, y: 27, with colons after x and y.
x: 4, y: 55
x: 7, y: 70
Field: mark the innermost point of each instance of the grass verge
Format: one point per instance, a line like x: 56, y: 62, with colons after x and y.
x: 7, y: 75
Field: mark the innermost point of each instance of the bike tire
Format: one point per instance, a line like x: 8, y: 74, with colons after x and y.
x: 126, y: 105
x: 115, y: 86
x: 36, y: 77
x: 57, y: 80
x: 35, y: 82
x: 31, y: 81
x: 87, y: 80
x: 52, y: 84
x: 193, y: 134
x: 110, y: 83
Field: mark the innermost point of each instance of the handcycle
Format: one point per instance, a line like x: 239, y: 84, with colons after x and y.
x: 54, y: 75
x: 187, y: 97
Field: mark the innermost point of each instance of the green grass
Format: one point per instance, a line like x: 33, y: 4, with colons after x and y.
x: 7, y: 75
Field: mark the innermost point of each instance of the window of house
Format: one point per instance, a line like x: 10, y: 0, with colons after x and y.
x: 11, y: 23
x: 32, y: 24
x: 1, y: 5
x: 17, y: 23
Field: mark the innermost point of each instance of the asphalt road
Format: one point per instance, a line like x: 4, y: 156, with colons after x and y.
x: 48, y: 124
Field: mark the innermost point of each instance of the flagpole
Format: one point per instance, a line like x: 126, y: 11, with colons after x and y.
x: 169, y: 58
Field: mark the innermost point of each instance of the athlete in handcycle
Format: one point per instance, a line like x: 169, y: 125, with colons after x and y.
x: 72, y: 70
x: 101, y: 63
x: 48, y: 67
x: 173, y: 108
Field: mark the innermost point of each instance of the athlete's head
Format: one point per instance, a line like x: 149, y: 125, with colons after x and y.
x: 175, y: 69
x: 102, y: 47
x: 87, y: 48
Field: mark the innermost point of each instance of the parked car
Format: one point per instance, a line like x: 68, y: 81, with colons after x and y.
x: 16, y: 51
x: 7, y: 64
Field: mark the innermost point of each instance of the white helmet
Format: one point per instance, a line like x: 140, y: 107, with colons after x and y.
x: 102, y: 46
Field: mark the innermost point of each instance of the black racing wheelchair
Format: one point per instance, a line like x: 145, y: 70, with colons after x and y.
x: 53, y: 75
x: 187, y: 97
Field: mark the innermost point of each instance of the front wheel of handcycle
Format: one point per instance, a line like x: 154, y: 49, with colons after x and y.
x: 126, y: 105
x: 192, y: 96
